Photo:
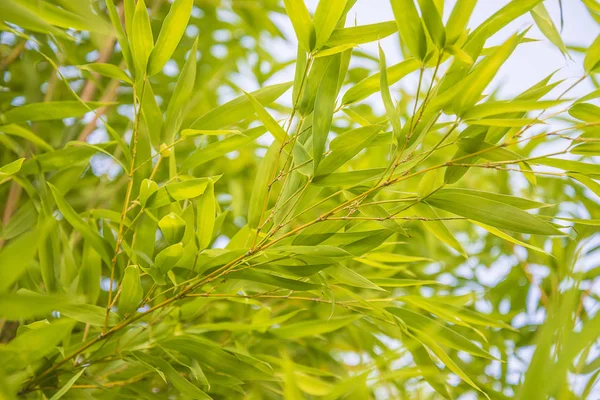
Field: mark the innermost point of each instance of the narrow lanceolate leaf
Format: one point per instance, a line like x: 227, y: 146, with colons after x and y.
x: 141, y: 39
x: 390, y: 107
x: 311, y: 328
x: 362, y: 34
x: 334, y: 50
x: 433, y: 22
x: 171, y: 33
x: 591, y: 63
x: 509, y: 238
x: 6, y: 171
x: 48, y: 111
x: 345, y: 146
x: 438, y: 228
x: 327, y: 15
x: 206, y: 216
x: 209, y: 132
x: 476, y: 82
x: 120, y: 33
x: 108, y: 70
x: 99, y: 244
x: 63, y: 390
x: 302, y: 23
x: 500, y: 107
x: 239, y: 108
x: 15, y: 257
x: 187, y: 388
x: 504, y: 122
x: 370, y: 85
x: 410, y: 27
x: 181, y: 95
x: 459, y: 18
x: 546, y: 25
x: 268, y: 121
x: 132, y: 292
x: 258, y: 198
x: 586, y: 112
x: 492, y: 213
x: 324, y: 107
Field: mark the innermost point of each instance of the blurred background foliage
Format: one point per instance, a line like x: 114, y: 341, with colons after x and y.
x: 230, y: 283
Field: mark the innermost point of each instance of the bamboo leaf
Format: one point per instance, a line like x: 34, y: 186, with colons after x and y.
x: 324, y: 108
x: 48, y: 111
x: 108, y: 70
x: 311, y: 328
x: 170, y: 34
x: 302, y: 23
x: 362, y: 34
x: 410, y: 27
x: 99, y: 244
x: 326, y: 18
x: 492, y: 213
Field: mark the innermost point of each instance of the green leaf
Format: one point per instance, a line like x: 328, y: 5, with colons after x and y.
x: 37, y: 342
x: 311, y: 328
x: 174, y: 377
x: 141, y: 39
x: 476, y: 82
x: 439, y: 228
x: 172, y: 227
x: 220, y: 148
x: 63, y: 390
x: 500, y: 107
x: 88, y: 314
x: 586, y: 112
x: 509, y: 238
x: 205, y: 223
x: 438, y: 332
x: 334, y: 50
x: 17, y: 306
x: 171, y: 32
x: 433, y: 22
x: 181, y: 95
x: 120, y: 33
x: 6, y: 171
x: 345, y: 146
x: 166, y: 259
x: 239, y: 108
x: 504, y: 122
x: 458, y: 20
x: 132, y: 292
x: 19, y: 131
x: 16, y: 257
x: 48, y: 111
x: 327, y: 15
x: 592, y: 57
x: 258, y: 197
x: 108, y: 70
x: 187, y: 189
x: 99, y: 244
x: 324, y: 108
x: 302, y: 23
x: 592, y: 170
x: 362, y: 34
x: 491, y: 212
x: 268, y: 121
x: 410, y: 27
x: 210, y: 132
x: 390, y: 107
x: 546, y: 25
x: 372, y: 84
x: 352, y: 278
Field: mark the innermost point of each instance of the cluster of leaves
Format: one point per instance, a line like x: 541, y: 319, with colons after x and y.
x: 159, y: 242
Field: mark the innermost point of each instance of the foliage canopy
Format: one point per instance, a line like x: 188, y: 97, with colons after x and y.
x: 169, y: 233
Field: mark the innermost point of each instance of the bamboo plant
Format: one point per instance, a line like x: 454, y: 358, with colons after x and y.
x: 170, y: 230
